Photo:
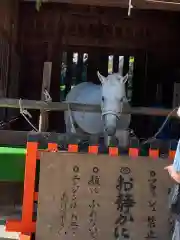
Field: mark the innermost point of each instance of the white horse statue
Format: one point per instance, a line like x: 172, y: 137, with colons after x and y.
x: 110, y: 95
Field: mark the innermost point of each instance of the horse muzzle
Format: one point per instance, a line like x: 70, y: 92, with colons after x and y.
x: 110, y: 130
x: 110, y: 118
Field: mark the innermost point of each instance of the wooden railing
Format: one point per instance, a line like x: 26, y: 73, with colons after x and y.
x: 63, y: 106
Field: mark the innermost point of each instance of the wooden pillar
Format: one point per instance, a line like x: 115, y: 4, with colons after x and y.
x: 153, y: 77
x: 56, y: 58
x: 68, y: 79
x: 139, y: 96
x: 115, y: 63
x: 12, y: 90
x: 92, y: 67
x: 103, y: 63
x: 97, y: 61
x: 55, y: 117
x: 79, y: 68
x: 139, y: 80
x: 126, y: 64
x: 168, y: 77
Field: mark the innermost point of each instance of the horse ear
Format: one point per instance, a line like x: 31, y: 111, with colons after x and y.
x: 101, y: 77
x: 125, y: 78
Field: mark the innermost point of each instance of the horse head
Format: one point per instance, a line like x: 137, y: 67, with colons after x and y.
x: 113, y: 94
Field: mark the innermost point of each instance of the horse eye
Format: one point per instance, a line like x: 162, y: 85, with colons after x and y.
x: 103, y: 99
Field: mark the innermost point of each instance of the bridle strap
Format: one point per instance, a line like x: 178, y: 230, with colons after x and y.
x: 117, y: 114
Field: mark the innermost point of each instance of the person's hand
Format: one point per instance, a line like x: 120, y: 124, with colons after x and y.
x: 173, y: 174
x: 169, y: 169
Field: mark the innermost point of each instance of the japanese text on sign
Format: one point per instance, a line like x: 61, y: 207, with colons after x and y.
x: 63, y: 211
x: 125, y: 201
x: 151, y: 220
x: 75, y: 188
x: 94, y: 188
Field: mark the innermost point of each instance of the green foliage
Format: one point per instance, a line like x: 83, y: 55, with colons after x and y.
x: 38, y: 4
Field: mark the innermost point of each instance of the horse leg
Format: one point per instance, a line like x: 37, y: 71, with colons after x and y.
x: 122, y: 137
x: 108, y: 140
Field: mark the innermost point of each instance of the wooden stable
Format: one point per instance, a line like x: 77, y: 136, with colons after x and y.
x: 96, y: 31
x: 151, y: 36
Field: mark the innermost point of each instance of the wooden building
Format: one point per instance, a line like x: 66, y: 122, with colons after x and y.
x: 150, y: 34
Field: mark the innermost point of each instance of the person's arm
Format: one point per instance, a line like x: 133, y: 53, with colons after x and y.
x: 174, y: 169
x: 176, y: 162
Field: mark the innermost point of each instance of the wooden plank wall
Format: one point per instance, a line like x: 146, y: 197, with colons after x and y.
x: 57, y: 26
x: 8, y: 16
x: 9, y: 58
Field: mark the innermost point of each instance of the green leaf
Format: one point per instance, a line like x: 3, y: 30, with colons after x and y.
x: 38, y: 4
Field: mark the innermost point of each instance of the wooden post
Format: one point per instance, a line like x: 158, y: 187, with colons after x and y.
x: 139, y: 95
x: 103, y: 63
x: 116, y: 63
x: 92, y: 67
x: 43, y: 119
x: 126, y: 65
x: 68, y: 79
x: 79, y: 68
x: 121, y: 65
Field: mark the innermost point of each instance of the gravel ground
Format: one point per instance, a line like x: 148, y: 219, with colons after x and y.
x: 7, y: 235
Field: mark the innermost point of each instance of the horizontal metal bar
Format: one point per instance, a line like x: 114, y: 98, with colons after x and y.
x: 163, y: 2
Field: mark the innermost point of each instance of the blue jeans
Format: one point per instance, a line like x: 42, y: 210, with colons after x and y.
x: 176, y: 233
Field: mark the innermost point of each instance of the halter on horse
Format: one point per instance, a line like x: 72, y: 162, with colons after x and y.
x: 110, y: 95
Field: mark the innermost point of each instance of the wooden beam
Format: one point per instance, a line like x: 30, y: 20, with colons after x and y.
x: 138, y: 4
x: 63, y: 106
x: 49, y: 106
x: 19, y: 138
x: 13, y: 138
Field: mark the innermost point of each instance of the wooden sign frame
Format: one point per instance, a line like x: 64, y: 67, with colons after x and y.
x: 83, y: 196
x: 27, y: 225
